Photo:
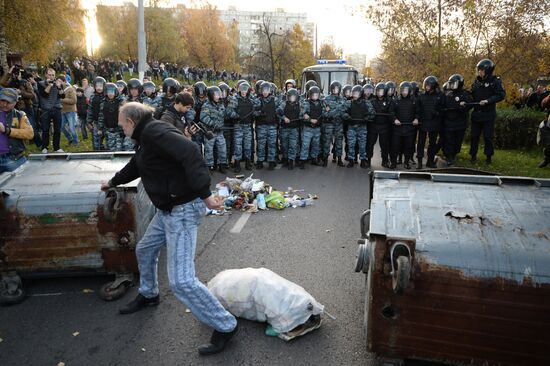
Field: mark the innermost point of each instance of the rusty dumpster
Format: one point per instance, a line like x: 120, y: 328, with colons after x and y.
x: 457, y: 269
x: 55, y: 220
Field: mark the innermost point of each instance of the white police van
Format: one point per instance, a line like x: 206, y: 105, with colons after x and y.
x: 327, y: 71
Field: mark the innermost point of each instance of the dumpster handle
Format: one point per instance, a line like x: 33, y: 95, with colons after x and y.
x: 112, y: 203
x: 365, y: 225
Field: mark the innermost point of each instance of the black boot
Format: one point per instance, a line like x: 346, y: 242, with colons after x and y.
x: 259, y: 165
x: 393, y: 165
x: 385, y: 164
x: 272, y: 165
x: 314, y: 161
x: 431, y: 162
x: 544, y: 163
x: 290, y: 164
x: 237, y: 166
x: 301, y: 164
x: 419, y: 165
x: 368, y: 163
x: 400, y: 159
x: 473, y: 159
x: 407, y: 164
x: 363, y: 164
x: 412, y: 161
x: 247, y: 164
x: 488, y: 161
x: 350, y: 164
x: 340, y: 162
x: 284, y: 161
x: 325, y: 162
x: 333, y: 159
x: 218, y: 341
x: 223, y: 168
x: 139, y: 303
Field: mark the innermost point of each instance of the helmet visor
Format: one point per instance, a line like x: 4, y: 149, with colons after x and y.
x: 405, y: 91
x: 380, y: 93
x: 356, y: 94
x: 314, y: 96
x: 335, y: 90
x: 453, y: 85
x: 292, y: 98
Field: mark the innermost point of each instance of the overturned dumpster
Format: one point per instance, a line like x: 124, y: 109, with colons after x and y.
x: 457, y: 269
x: 55, y: 220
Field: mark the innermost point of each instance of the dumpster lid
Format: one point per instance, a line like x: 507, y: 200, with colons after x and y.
x: 64, y: 173
x: 486, y: 226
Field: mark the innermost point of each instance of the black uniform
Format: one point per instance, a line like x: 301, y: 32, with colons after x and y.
x: 483, y: 117
x: 381, y: 127
x: 455, y: 122
x: 429, y: 116
x: 403, y: 136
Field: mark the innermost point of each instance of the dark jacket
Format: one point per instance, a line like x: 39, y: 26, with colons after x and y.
x: 51, y: 100
x: 385, y: 115
x: 174, y: 117
x: 429, y: 114
x: 171, y: 167
x: 81, y: 106
x: 455, y: 116
x: 18, y: 129
x: 406, y: 111
x: 489, y: 89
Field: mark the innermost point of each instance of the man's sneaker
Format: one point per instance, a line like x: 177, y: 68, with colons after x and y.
x: 218, y: 341
x: 59, y: 151
x: 44, y: 151
x: 139, y: 303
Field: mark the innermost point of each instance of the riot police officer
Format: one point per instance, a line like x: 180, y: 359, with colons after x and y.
x: 170, y: 87
x: 487, y: 90
x: 135, y: 89
x: 380, y: 128
x: 429, y: 116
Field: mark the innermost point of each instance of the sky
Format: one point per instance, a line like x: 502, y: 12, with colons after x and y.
x: 344, y: 24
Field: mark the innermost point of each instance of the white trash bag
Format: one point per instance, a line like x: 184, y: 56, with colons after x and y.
x: 261, y: 295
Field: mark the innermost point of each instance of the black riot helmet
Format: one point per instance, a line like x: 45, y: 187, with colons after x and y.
x: 135, y: 84
x: 244, y: 87
x: 445, y: 87
x: 292, y: 95
x: 335, y: 87
x: 273, y: 88
x: 346, y: 91
x: 214, y: 94
x: 309, y: 84
x: 111, y: 88
x: 240, y: 82
x: 390, y: 88
x: 357, y: 92
x: 368, y: 90
x: 314, y: 93
x: 149, y: 88
x: 200, y: 89
x: 380, y: 90
x: 122, y: 87
x: 456, y: 82
x: 415, y: 88
x: 171, y: 86
x: 225, y: 89
x: 430, y: 83
x: 98, y: 80
x: 487, y: 65
x: 405, y: 89
x: 292, y: 83
x: 258, y: 87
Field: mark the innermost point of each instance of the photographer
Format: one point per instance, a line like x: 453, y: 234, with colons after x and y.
x: 14, y: 129
x: 51, y: 92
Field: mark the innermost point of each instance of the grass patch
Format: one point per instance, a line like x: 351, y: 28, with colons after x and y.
x: 521, y: 163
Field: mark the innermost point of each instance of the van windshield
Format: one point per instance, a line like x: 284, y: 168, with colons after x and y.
x: 324, y: 78
x: 321, y: 78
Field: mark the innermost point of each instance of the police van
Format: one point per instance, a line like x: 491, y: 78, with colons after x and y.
x: 327, y: 71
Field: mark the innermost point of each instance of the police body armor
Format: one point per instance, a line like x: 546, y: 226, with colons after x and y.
x: 244, y: 110
x: 315, y: 112
x: 429, y: 116
x: 96, y: 104
x: 292, y: 112
x: 110, y: 113
x: 357, y: 113
x: 268, y: 115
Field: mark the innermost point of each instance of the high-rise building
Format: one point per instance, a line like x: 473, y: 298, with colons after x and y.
x: 357, y: 60
x: 249, y: 24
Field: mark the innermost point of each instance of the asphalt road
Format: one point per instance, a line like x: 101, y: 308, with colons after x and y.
x: 313, y: 246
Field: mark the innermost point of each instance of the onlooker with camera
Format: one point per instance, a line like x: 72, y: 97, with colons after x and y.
x: 14, y: 129
x: 81, y: 111
x: 68, y: 116
x: 51, y: 92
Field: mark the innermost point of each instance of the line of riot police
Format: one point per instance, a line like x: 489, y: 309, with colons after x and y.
x: 258, y: 125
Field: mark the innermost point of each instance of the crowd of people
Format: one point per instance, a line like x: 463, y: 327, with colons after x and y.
x: 109, y: 69
x: 260, y: 124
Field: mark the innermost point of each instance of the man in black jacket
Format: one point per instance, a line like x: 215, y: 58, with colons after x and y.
x: 177, y: 181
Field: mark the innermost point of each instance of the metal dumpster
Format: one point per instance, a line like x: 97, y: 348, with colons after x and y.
x: 457, y: 269
x: 55, y: 220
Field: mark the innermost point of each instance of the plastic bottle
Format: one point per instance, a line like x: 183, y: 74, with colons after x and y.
x: 261, y: 201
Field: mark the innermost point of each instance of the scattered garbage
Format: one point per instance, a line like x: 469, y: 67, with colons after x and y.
x: 253, y: 195
x: 259, y: 294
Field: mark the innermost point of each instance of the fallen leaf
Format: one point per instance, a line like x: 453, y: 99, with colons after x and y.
x: 75, y: 334
x: 61, y: 364
x: 143, y: 350
x: 87, y: 291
